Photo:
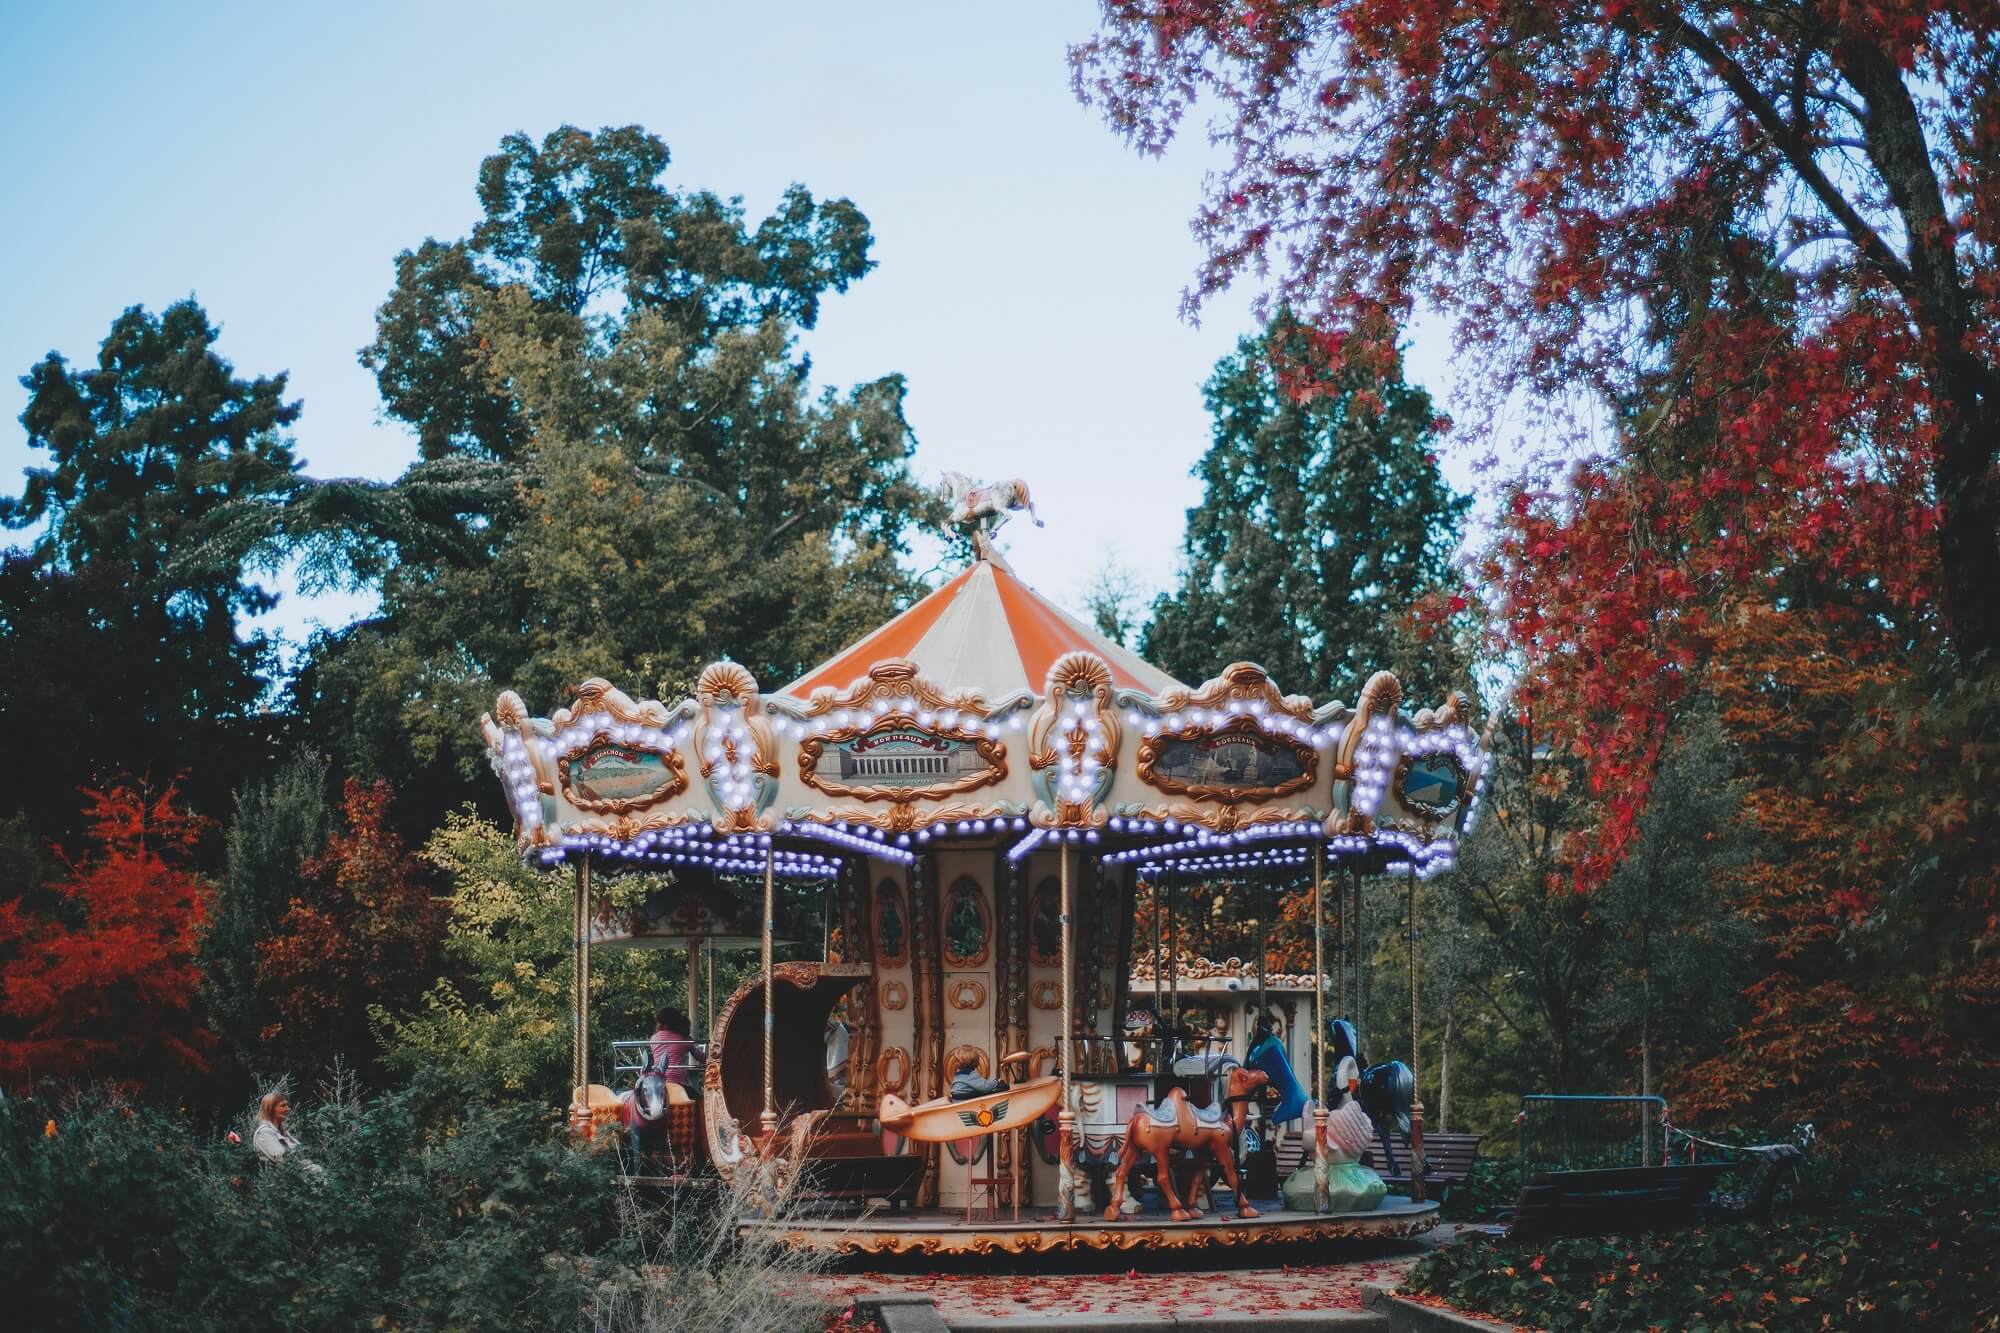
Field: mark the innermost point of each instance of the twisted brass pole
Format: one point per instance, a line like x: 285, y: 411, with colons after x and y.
x: 1417, y: 1161
x: 770, y: 1117
x: 1321, y: 1199
x: 1066, y: 1118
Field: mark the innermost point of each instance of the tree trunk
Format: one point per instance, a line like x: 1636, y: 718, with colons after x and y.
x: 1646, y: 1059
x: 1444, y: 1076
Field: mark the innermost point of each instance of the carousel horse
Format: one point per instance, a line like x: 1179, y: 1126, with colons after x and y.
x: 971, y: 503
x: 642, y: 1109
x: 1209, y: 1132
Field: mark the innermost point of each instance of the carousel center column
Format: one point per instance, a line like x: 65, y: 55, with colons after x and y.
x: 1418, y: 1163
x: 770, y: 1116
x: 1321, y: 1200
x: 1066, y: 1118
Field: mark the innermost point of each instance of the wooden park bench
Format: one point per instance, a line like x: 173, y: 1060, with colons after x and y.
x: 1620, y: 1199
x: 1448, y: 1160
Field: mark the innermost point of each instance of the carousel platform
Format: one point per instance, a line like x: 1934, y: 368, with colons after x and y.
x: 945, y: 1231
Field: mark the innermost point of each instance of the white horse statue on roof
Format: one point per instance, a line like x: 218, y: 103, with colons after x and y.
x: 973, y: 505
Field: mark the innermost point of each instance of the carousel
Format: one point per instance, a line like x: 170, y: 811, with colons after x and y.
x: 978, y: 794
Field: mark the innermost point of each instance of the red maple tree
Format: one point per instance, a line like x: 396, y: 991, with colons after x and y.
x: 104, y: 985
x: 363, y: 931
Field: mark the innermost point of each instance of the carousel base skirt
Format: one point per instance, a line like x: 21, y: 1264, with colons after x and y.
x: 943, y: 1231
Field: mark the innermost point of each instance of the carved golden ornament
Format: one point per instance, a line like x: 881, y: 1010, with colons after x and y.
x: 598, y: 695
x: 1189, y: 967
x: 721, y: 680
x: 1379, y: 698
x: 897, y: 680
x: 904, y: 817
x: 966, y: 994
x: 1243, y: 682
x: 958, y: 1055
x: 732, y: 730
x: 1046, y: 995
x: 1228, y: 818
x: 892, y: 1069
x: 1056, y: 734
x: 895, y: 995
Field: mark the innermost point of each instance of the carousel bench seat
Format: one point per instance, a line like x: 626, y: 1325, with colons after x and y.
x: 1448, y: 1160
x: 1614, y: 1199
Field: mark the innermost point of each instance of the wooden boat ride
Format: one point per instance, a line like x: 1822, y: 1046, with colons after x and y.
x: 946, y: 1121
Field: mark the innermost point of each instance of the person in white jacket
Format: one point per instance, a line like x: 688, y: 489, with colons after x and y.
x: 272, y: 1142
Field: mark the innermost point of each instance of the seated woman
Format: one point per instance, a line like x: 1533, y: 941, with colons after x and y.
x: 273, y: 1142
x: 673, y: 1050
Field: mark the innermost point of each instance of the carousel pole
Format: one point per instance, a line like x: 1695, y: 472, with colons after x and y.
x: 581, y: 1097
x: 583, y: 987
x: 1173, y: 968
x: 1417, y: 1160
x: 770, y: 1116
x: 1321, y: 1200
x: 1066, y: 1118
x: 1263, y: 953
x: 694, y: 988
x: 1159, y: 972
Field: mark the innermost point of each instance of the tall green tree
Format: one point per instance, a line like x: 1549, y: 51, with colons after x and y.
x: 627, y: 469
x: 1323, y: 520
x: 278, y: 826
x: 114, y: 656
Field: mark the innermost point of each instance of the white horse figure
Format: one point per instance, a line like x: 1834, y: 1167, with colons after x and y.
x: 972, y: 504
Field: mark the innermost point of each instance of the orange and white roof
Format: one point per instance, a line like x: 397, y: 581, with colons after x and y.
x: 988, y: 631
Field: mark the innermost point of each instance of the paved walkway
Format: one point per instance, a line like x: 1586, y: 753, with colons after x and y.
x: 1315, y: 1284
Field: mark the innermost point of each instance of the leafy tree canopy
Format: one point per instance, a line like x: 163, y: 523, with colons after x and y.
x: 115, y: 656
x: 1323, y: 521
x: 628, y: 471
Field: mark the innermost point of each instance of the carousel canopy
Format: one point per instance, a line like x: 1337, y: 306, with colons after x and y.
x: 985, y: 630
x: 986, y: 711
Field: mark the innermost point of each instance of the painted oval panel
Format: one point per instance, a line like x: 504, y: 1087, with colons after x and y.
x: 1431, y: 783
x: 615, y: 778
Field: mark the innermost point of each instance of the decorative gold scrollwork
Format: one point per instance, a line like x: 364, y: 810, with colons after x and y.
x: 1046, y: 995
x: 965, y: 994
x: 895, y: 995
x: 1073, y: 742
x: 892, y: 1069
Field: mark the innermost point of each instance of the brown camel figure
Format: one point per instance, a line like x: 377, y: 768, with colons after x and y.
x: 1172, y: 1124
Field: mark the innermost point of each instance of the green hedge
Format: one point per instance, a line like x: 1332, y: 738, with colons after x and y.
x: 1856, y: 1251
x: 422, y: 1217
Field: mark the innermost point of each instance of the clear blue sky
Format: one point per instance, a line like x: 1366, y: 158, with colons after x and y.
x: 273, y: 159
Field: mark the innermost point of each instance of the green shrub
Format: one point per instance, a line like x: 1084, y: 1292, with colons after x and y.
x: 425, y: 1211
x: 1857, y: 1251
x: 1494, y: 1184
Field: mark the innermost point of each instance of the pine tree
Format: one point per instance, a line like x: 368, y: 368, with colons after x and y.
x: 1323, y: 521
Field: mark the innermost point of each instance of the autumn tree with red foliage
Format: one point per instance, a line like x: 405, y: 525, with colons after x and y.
x: 104, y: 985
x: 363, y: 931
x: 1765, y: 240
x: 1559, y: 177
